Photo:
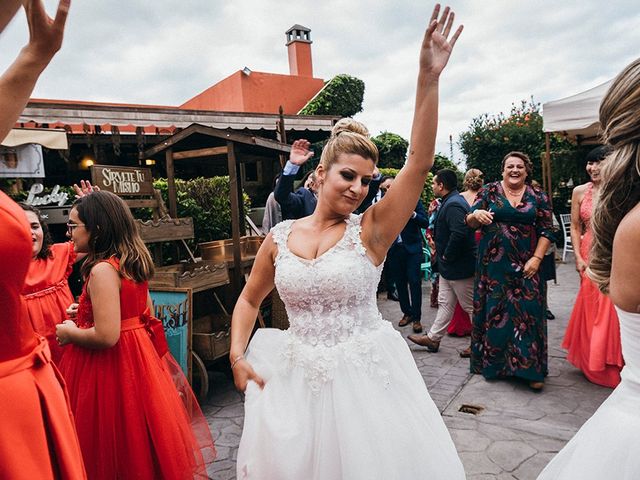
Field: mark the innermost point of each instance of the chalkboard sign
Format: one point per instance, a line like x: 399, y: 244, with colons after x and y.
x: 123, y: 181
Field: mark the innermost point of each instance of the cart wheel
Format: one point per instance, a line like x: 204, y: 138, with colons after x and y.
x: 203, y: 376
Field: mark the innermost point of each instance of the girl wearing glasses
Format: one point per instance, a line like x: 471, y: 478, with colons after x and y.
x: 130, y: 418
x: 46, y: 289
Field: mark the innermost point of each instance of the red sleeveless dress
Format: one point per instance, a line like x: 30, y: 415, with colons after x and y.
x: 593, y: 333
x: 131, y: 420
x: 47, y: 293
x: 37, y: 436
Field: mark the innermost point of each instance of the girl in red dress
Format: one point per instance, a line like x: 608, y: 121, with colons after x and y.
x: 131, y: 420
x: 46, y: 289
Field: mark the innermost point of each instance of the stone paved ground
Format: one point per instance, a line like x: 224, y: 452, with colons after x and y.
x: 517, y: 431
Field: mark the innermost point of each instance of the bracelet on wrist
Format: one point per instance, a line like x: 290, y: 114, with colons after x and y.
x: 536, y: 256
x: 236, y: 360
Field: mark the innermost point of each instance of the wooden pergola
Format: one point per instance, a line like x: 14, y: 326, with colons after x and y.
x: 214, y: 145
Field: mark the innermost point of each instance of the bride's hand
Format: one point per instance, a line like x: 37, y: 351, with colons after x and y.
x: 242, y: 373
x: 436, y: 47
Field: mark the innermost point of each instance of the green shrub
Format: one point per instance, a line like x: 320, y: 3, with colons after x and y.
x: 341, y: 96
x: 392, y: 149
x: 207, y: 201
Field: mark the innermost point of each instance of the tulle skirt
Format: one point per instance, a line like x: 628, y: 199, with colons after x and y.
x: 132, y: 421
x: 359, y: 410
x: 607, y: 445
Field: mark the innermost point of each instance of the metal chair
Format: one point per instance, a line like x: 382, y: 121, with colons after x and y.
x: 565, y: 222
x: 425, y: 266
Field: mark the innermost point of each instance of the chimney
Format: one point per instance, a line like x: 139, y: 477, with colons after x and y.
x: 299, y: 49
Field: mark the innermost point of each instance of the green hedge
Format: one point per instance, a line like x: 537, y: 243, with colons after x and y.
x: 341, y: 96
x: 392, y: 149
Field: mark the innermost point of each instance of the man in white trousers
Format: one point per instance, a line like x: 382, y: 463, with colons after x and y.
x: 455, y: 258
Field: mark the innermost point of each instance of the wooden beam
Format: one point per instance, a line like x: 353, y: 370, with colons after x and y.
x: 547, y: 180
x: 227, y: 135
x: 141, y: 203
x: 201, y: 152
x: 173, y: 202
x: 271, y: 144
x: 235, y: 220
x: 281, y: 135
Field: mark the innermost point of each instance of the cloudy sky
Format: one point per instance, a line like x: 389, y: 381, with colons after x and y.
x: 164, y: 52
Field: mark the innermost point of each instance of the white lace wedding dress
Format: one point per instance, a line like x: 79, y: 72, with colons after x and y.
x: 343, y: 397
x: 608, y: 444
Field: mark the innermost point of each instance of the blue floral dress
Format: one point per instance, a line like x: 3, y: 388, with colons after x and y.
x: 509, y: 337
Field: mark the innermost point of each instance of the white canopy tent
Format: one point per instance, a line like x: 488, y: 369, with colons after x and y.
x: 575, y: 117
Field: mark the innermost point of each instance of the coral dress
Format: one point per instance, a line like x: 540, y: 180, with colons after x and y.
x: 47, y: 293
x: 131, y: 421
x: 343, y: 398
x: 37, y: 436
x: 593, y: 333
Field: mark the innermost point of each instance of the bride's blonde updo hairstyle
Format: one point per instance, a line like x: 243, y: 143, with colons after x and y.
x: 620, y: 189
x: 350, y: 137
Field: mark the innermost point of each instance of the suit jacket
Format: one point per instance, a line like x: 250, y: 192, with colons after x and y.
x: 411, y: 234
x: 298, y: 204
x: 374, y: 187
x: 455, y: 243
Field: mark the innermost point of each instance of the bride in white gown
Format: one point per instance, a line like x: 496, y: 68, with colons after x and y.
x: 608, y: 444
x: 338, y: 395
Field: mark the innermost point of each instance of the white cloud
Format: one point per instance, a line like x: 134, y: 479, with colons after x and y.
x: 165, y: 52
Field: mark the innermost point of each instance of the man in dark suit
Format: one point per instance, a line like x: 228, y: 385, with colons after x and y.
x: 302, y: 202
x: 455, y: 258
x: 404, y: 258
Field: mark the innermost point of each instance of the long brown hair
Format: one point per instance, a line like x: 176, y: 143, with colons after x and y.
x: 113, y: 232
x: 620, y: 186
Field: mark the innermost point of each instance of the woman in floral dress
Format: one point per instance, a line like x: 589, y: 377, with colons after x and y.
x: 509, y: 337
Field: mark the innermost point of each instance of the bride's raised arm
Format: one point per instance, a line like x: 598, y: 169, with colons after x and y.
x: 382, y: 223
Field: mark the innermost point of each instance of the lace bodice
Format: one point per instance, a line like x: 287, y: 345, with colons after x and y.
x: 331, y: 303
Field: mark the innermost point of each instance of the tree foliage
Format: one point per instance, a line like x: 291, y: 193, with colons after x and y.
x: 392, y: 149
x: 341, y: 96
x: 490, y: 137
x: 427, y: 192
x: 440, y: 162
